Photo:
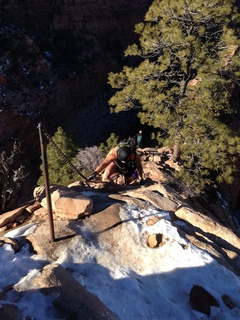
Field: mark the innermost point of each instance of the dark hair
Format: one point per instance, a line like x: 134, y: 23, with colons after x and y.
x: 124, y: 153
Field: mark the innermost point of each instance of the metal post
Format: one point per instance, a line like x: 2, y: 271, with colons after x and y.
x: 46, y: 179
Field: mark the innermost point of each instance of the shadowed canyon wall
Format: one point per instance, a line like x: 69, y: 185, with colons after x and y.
x: 55, y: 59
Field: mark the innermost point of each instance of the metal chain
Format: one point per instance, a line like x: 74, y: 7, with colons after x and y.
x: 62, y: 154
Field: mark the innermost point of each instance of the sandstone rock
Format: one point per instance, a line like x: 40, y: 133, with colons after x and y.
x: 173, y: 165
x: 222, y: 235
x: 154, y: 198
x: 156, y: 240
x: 41, y: 239
x: 149, y: 150
x: 215, y: 251
x: 4, y: 228
x: 233, y: 257
x: 167, y: 192
x: 152, y: 170
x: 41, y: 213
x: 12, y: 242
x: 152, y: 220
x: 38, y: 192
x: 165, y: 150
x: 68, y: 204
x: 9, y: 216
x: 136, y: 202
x: 156, y: 158
x: 20, y: 219
x: 33, y: 207
x: 73, y: 300
x: 202, y: 300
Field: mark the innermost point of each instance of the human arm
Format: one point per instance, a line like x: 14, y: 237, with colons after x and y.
x: 139, y: 166
x: 110, y: 158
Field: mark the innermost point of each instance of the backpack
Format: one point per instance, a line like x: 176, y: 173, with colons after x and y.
x: 129, y: 143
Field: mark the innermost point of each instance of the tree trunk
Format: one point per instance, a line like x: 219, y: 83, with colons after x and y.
x: 175, y: 151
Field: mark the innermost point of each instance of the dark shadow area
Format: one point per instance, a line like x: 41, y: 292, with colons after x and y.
x: 217, y: 247
x: 89, y: 291
x: 65, y: 238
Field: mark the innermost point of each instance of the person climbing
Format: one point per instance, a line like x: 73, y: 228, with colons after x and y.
x: 121, y: 159
x: 138, y: 138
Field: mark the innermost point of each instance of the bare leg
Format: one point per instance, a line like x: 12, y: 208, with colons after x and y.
x: 110, y: 170
x: 128, y: 180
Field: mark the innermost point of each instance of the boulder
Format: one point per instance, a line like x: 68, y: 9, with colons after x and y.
x: 35, y: 206
x: 157, y: 240
x: 173, y: 165
x: 201, y: 300
x: 9, y: 312
x: 73, y: 300
x: 155, y: 198
x: 222, y: 235
x: 152, y: 170
x: 10, y: 216
x: 68, y: 204
x: 12, y: 242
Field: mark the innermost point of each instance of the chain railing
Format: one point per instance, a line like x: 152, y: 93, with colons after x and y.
x: 46, y: 176
x: 61, y: 153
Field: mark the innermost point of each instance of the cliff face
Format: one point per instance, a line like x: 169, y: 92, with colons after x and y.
x: 63, y: 51
x: 55, y: 58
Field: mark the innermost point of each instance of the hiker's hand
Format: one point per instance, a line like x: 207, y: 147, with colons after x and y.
x: 92, y: 176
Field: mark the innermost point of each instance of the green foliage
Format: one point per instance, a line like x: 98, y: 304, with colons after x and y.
x: 111, y: 142
x: 58, y: 169
x: 183, y: 83
x: 11, y: 178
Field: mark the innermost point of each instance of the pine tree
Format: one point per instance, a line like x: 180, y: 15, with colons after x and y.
x: 58, y: 169
x: 111, y: 142
x: 187, y: 64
